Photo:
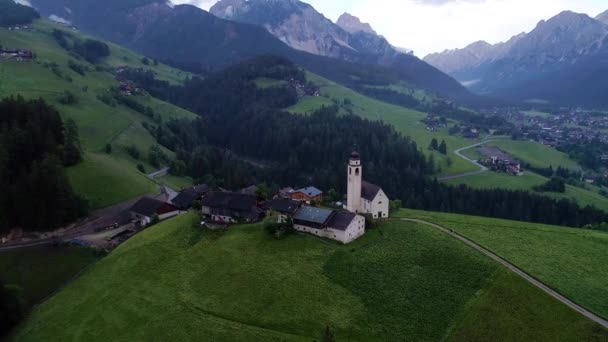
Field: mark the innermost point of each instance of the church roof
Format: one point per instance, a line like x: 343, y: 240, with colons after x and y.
x: 369, y: 191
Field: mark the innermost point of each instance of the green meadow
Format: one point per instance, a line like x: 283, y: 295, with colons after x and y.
x: 105, y: 179
x: 570, y: 260
x: 403, y: 281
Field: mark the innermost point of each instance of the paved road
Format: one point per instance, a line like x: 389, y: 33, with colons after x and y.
x: 160, y: 173
x: 517, y: 271
x: 458, y: 152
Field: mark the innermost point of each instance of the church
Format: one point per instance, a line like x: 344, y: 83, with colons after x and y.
x: 364, y: 197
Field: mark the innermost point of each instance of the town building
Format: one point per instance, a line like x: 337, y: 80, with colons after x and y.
x: 231, y: 207
x: 364, y: 197
x: 144, y: 210
x: 308, y: 195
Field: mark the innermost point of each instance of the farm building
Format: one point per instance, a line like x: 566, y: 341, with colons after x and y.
x: 284, y: 207
x: 146, y: 208
x: 336, y: 225
x: 186, y: 197
x: 231, y: 207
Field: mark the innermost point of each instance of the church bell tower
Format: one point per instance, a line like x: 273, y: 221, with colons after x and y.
x: 355, y: 175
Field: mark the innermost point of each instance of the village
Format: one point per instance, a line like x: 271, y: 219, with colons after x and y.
x: 299, y: 208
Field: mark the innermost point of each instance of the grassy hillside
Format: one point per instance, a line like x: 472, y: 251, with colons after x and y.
x: 536, y: 154
x: 403, y: 282
x: 572, y: 261
x: 404, y: 120
x: 492, y: 180
x: 101, y: 177
x: 39, y: 271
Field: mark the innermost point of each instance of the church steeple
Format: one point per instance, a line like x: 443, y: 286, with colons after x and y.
x: 355, y: 176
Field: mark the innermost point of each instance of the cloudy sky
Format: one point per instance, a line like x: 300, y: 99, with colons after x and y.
x: 435, y: 25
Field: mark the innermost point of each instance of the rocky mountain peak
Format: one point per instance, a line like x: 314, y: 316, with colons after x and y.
x: 603, y: 17
x: 353, y: 24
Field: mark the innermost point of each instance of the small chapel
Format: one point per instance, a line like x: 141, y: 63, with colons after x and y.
x: 363, y: 197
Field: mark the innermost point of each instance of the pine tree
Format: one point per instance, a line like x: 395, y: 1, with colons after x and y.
x: 434, y: 145
x: 443, y: 148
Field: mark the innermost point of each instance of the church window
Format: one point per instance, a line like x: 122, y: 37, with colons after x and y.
x: 350, y: 171
x: 357, y: 171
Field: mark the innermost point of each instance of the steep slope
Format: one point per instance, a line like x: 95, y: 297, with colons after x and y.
x: 603, y: 17
x: 352, y: 24
x: 12, y: 13
x: 190, y: 37
x: 104, y: 178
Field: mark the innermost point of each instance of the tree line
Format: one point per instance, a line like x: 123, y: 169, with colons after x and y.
x: 35, y: 146
x: 263, y: 143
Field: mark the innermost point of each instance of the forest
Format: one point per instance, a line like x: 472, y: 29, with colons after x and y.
x: 35, y: 146
x: 262, y: 143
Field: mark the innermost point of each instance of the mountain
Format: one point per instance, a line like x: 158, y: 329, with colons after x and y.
x: 12, y: 13
x: 558, y: 46
x: 603, y: 17
x: 192, y: 38
x: 302, y: 27
x: 352, y: 24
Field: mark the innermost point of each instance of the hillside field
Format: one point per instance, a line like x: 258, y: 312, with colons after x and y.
x: 101, y: 177
x: 571, y: 261
x: 39, y: 271
x: 402, y: 282
x: 406, y: 121
x: 492, y: 180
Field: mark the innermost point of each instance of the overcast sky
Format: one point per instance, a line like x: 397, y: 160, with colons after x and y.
x: 435, y: 25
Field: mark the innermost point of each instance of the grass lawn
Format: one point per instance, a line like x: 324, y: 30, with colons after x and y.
x: 572, y: 261
x: 536, y: 154
x: 176, y: 183
x: 103, y: 179
x: 108, y: 180
x: 39, y: 271
x: 403, y: 282
x: 405, y: 120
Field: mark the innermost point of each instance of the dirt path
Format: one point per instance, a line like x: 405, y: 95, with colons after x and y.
x: 517, y: 271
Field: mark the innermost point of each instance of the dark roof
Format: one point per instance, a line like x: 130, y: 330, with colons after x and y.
x: 355, y: 155
x: 369, y: 190
x: 311, y: 191
x: 146, y: 206
x: 251, y: 190
x: 341, y: 220
x: 229, y: 200
x: 201, y: 189
x: 282, y: 205
x: 314, y: 215
x: 185, y: 198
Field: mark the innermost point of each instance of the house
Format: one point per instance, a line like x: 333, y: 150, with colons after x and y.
x: 284, y: 207
x: 186, y: 197
x: 231, y: 207
x: 146, y: 208
x: 308, y: 195
x: 285, y: 193
x: 336, y: 225
x: 364, y: 197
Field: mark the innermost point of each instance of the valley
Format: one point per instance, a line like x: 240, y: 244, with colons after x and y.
x: 261, y: 170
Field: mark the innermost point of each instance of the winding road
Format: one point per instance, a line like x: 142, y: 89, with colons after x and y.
x: 590, y: 315
x: 458, y: 152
